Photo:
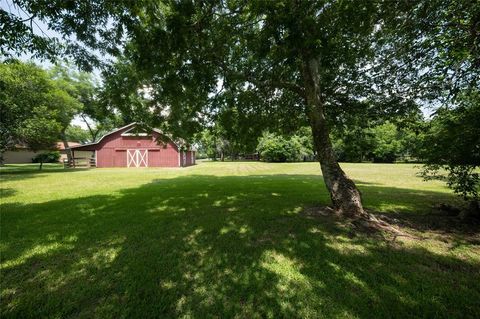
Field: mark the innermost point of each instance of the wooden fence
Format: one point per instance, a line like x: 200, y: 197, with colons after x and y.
x: 79, y: 162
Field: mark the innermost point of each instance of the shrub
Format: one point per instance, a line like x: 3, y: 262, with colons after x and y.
x: 273, y: 148
x: 47, y: 157
x: 276, y: 148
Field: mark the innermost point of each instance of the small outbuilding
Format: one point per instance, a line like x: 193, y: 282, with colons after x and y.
x: 21, y: 154
x: 127, y: 147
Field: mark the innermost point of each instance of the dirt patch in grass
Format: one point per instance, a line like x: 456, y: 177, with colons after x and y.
x: 434, y: 221
x: 437, y: 225
x: 354, y: 226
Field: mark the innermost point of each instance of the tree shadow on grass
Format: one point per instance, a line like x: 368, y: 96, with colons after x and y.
x: 7, y: 192
x: 205, y: 246
x: 12, y: 172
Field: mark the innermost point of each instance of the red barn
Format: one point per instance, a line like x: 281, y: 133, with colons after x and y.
x: 126, y: 147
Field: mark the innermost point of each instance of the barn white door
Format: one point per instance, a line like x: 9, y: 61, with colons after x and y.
x: 137, y: 158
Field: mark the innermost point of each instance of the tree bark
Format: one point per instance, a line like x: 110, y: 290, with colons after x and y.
x: 93, y: 133
x: 344, y: 194
x: 68, y: 151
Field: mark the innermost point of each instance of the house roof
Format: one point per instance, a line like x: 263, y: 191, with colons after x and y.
x: 110, y: 133
x: 61, y: 147
x: 58, y: 145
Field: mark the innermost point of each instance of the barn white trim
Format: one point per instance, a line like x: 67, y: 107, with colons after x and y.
x: 110, y: 133
x: 136, y: 157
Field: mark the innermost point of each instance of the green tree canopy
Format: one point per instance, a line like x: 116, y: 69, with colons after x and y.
x: 76, y: 133
x: 451, y: 144
x: 95, y: 114
x: 34, y: 108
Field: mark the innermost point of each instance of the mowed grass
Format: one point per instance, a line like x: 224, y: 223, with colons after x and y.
x: 224, y: 240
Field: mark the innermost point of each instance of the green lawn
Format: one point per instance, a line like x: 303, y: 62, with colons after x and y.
x: 225, y: 240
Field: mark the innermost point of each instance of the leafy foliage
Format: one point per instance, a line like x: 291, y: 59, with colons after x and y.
x: 206, y: 145
x: 386, y: 144
x: 273, y: 148
x: 278, y: 148
x: 47, y: 157
x: 76, y: 133
x: 381, y: 143
x: 212, y: 144
x: 452, y: 145
x: 85, y: 89
x: 41, y: 131
x: 22, y: 24
x: 353, y: 145
x: 433, y: 47
x: 32, y: 107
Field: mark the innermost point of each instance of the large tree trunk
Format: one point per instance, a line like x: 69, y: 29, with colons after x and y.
x: 344, y: 194
x: 66, y: 147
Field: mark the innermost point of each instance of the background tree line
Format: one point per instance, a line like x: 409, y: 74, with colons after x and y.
x: 378, y: 142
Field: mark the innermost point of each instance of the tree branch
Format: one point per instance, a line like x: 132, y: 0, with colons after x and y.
x: 92, y: 134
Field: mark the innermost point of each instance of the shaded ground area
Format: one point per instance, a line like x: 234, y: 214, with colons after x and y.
x: 225, y: 246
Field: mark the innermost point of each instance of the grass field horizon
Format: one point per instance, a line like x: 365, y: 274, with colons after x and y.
x: 224, y: 239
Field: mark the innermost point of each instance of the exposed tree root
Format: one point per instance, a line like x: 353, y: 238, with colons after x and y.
x: 365, y: 223
x: 369, y: 222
